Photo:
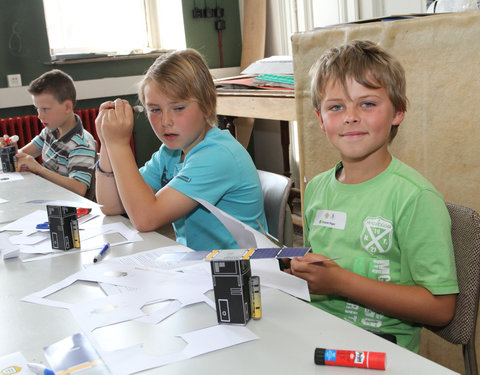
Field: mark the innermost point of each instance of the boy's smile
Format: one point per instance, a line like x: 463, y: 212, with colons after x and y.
x: 358, y: 122
x: 179, y: 124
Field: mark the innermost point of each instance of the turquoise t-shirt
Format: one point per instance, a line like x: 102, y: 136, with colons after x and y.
x: 218, y: 170
x: 393, y: 228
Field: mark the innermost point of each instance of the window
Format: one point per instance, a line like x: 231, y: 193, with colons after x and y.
x: 113, y: 27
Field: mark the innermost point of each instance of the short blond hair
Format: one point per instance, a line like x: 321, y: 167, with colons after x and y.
x: 368, y: 64
x: 184, y: 75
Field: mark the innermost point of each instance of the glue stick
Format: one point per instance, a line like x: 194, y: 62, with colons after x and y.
x: 350, y: 358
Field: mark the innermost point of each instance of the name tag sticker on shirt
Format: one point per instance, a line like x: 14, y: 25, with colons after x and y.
x: 331, y: 219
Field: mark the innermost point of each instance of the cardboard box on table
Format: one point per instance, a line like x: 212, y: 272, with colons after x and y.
x: 440, y: 136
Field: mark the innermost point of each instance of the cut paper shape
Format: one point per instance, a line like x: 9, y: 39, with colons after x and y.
x: 246, y: 236
x: 8, y: 249
x: 162, y: 286
x: 198, y: 342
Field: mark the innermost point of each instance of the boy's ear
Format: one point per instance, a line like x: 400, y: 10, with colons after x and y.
x: 320, y: 119
x: 68, y: 105
x: 398, y: 118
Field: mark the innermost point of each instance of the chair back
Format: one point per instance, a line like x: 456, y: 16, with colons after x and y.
x: 276, y: 190
x: 466, y: 246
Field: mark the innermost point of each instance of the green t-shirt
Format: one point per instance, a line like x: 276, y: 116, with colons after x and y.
x: 393, y: 228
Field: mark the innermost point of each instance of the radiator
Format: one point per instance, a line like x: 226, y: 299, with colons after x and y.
x: 27, y: 127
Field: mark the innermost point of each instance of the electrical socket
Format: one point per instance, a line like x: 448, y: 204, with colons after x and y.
x: 14, y: 80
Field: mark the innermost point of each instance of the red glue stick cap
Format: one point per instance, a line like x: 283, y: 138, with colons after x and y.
x: 377, y: 360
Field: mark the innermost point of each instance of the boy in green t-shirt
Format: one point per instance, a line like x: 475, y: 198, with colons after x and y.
x: 387, y: 224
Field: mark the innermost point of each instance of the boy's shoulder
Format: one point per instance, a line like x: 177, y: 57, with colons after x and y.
x: 219, y: 143
x: 397, y: 174
x: 409, y: 175
x: 79, y: 136
x: 324, y: 176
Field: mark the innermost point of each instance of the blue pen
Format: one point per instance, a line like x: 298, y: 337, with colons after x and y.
x: 39, y: 369
x: 43, y: 225
x: 102, y: 253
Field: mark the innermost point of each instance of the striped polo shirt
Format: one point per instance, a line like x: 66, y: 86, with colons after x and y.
x: 72, y: 155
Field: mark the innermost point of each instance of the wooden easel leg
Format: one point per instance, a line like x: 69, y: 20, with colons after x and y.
x: 285, y: 141
x: 243, y: 130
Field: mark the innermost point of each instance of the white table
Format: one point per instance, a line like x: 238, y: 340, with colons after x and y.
x: 30, y: 188
x: 289, y: 330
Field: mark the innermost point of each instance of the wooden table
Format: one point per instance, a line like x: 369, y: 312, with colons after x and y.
x: 264, y: 104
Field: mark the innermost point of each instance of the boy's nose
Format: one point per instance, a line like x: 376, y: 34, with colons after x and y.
x: 166, y: 120
x: 351, y: 117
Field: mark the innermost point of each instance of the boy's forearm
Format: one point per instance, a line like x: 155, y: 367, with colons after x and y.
x: 407, y: 302
x: 146, y: 210
x: 107, y: 193
x: 134, y: 194
x: 31, y: 149
x: 106, y: 187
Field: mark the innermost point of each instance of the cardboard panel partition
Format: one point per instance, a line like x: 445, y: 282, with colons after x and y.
x: 440, y: 136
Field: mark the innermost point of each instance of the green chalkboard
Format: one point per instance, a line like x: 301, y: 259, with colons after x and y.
x: 25, y: 51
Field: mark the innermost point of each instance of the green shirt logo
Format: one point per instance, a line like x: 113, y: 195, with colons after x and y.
x: 376, y: 235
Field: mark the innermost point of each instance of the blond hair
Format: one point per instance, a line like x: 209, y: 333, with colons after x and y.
x: 366, y: 63
x: 184, y: 75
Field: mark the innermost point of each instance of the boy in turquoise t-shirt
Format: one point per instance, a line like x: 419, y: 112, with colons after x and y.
x: 386, y: 224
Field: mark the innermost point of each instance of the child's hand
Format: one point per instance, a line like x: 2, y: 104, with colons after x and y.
x: 3, y: 140
x: 26, y: 162
x: 114, y: 122
x: 322, y: 277
x: 6, y: 140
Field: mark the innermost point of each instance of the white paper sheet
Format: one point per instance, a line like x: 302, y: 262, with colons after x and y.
x: 271, y: 65
x: 246, y: 236
x: 182, y: 287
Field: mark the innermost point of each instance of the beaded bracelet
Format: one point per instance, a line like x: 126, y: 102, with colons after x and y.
x: 107, y: 174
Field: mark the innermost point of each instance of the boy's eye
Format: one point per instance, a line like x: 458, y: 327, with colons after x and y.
x: 335, y: 107
x: 153, y: 110
x: 368, y: 104
x: 179, y: 108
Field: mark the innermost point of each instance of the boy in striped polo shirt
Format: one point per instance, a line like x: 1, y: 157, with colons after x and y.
x: 68, y: 150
